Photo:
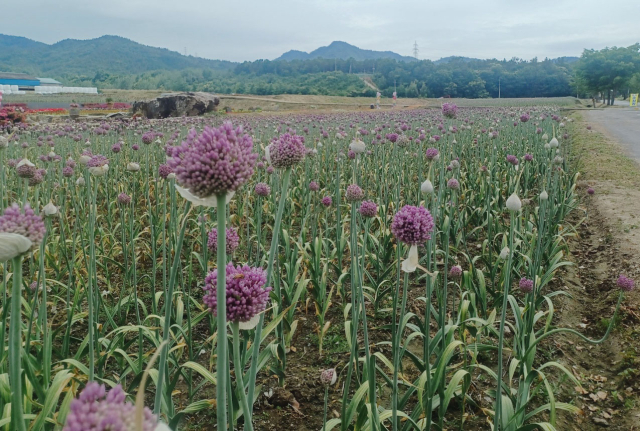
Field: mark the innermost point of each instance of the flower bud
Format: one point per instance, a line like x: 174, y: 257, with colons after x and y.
x: 99, y: 171
x: 357, y: 146
x: 513, y: 203
x: 504, y: 253
x: 50, y: 209
x: 13, y: 245
x: 426, y: 187
x: 328, y: 377
x: 544, y: 195
x: 133, y: 167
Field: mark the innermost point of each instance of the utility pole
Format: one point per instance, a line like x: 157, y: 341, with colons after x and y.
x: 415, y: 49
x: 499, y: 79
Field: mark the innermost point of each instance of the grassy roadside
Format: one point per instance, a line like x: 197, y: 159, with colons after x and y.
x: 600, y: 158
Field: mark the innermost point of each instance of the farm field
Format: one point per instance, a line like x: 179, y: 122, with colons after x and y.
x: 434, y: 266
x: 288, y: 102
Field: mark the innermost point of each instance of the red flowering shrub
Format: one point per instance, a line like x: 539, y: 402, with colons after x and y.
x: 10, y: 115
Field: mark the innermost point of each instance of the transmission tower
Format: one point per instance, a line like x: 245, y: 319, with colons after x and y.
x: 415, y: 49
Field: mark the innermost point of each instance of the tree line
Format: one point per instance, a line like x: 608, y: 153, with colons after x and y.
x: 604, y: 73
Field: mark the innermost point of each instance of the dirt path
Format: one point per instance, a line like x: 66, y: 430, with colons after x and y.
x: 607, y: 245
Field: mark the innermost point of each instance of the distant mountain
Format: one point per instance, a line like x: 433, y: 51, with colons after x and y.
x: 110, y: 54
x: 342, y: 51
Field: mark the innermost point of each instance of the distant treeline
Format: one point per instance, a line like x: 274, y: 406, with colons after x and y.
x: 457, y: 77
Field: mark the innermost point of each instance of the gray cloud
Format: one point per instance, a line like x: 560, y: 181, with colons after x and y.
x: 249, y: 30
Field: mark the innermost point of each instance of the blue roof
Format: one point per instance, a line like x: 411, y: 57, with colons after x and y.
x: 23, y: 82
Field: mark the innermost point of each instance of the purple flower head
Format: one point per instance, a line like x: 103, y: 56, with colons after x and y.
x: 233, y: 240
x: 97, y: 161
x: 625, y: 283
x: 455, y: 271
x: 512, y: 159
x: 67, y: 172
x: 526, y: 285
x: 351, y: 154
x: 393, y: 137
x: 432, y: 153
x: 38, y: 178
x: 327, y: 201
x: 287, y: 151
x: 97, y: 409
x: 528, y: 157
x: 124, y: 199
x: 116, y: 148
x: 147, y: 138
x: 246, y: 295
x: 219, y: 160
x: 26, y: 171
x: 412, y: 225
x: 314, y: 186
x: 164, y: 171
x: 524, y: 118
x: 368, y: 209
x: 135, y: 147
x: 449, y: 110
x: 453, y: 184
x: 262, y: 189
x: 591, y: 191
x: 354, y: 193
x: 25, y: 223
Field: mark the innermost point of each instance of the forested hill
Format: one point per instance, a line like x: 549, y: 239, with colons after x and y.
x: 454, y: 77
x: 116, y: 62
x: 106, y: 54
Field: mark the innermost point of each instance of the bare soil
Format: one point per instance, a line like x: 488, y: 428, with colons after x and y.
x: 607, y: 245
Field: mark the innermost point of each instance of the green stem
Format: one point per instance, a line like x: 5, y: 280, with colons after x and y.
x: 248, y: 425
x: 222, y: 365
x: 15, y: 347
x: 162, y: 364
x: 272, y: 254
x: 503, y: 318
x: 326, y: 399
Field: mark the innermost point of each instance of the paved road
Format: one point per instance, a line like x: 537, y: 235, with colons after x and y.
x: 622, y: 124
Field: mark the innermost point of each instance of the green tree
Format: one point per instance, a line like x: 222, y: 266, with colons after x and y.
x: 609, y: 70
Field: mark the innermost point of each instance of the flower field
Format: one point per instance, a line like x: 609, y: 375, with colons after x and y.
x: 400, y: 262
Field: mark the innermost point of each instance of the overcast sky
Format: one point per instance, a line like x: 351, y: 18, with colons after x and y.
x: 240, y: 30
